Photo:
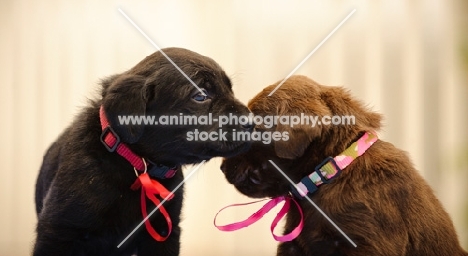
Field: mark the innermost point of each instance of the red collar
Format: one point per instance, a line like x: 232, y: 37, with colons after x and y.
x: 111, y: 141
x: 150, y: 188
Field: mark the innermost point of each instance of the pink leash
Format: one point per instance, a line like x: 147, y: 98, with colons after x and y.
x: 322, y: 174
x: 261, y: 212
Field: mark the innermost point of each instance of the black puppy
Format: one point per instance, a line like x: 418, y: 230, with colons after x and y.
x: 84, y: 202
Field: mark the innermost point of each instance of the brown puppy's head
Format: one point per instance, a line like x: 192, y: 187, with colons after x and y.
x: 307, y: 145
x: 156, y: 90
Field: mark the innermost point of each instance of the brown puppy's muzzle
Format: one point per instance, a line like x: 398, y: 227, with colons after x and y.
x: 240, y: 173
x: 249, y: 178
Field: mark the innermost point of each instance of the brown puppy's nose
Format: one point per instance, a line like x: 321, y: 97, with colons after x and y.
x: 248, y: 127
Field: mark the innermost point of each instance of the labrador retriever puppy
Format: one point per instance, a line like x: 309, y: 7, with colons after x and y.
x: 379, y: 200
x: 84, y: 200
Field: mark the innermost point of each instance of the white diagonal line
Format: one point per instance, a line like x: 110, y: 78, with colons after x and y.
x: 313, y: 51
x: 312, y: 202
x: 162, y: 202
x: 159, y: 49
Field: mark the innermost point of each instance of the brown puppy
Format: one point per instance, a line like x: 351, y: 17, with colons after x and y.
x: 380, y: 201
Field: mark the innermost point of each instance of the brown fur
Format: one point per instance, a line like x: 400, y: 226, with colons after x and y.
x: 380, y: 200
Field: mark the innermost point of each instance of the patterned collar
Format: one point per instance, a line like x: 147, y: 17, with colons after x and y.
x: 331, y: 167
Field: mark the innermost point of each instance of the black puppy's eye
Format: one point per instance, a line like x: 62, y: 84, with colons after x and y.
x: 200, y: 97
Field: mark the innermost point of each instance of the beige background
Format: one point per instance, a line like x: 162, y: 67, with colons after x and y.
x: 400, y: 57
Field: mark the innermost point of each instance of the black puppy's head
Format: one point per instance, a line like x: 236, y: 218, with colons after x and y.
x: 178, y: 129
x: 306, y: 145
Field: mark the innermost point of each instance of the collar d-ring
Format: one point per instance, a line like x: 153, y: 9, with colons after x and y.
x: 146, y: 167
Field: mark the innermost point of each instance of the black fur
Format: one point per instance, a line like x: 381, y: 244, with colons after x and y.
x: 83, y: 198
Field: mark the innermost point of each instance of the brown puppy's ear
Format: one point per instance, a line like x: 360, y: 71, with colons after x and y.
x: 300, y: 135
x: 371, y: 121
x: 299, y: 139
x: 125, y: 95
x: 298, y: 95
x: 341, y: 102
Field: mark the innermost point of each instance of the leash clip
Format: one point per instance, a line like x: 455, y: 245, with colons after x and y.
x: 146, y: 167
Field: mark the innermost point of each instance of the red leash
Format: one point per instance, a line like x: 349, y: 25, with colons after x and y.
x: 149, y: 187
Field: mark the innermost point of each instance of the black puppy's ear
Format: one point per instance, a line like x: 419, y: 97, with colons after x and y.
x: 125, y: 95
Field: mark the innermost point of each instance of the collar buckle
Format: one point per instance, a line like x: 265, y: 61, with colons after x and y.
x: 161, y: 171
x: 324, y: 179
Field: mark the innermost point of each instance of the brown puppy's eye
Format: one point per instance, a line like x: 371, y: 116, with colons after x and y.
x: 200, y: 97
